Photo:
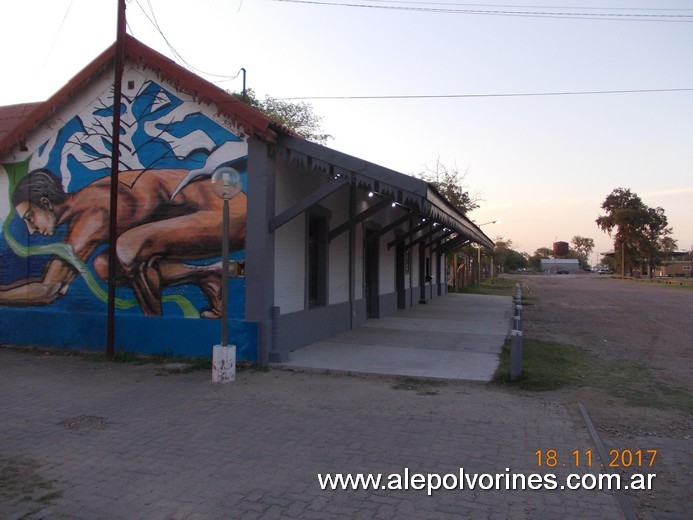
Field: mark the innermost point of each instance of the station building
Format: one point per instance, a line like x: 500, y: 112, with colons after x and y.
x: 320, y: 241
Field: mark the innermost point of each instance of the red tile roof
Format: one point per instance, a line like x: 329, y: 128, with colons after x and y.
x: 18, y: 121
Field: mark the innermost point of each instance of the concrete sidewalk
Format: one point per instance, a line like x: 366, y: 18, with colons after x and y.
x: 456, y: 336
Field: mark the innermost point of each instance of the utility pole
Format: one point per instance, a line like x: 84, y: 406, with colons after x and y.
x: 115, y: 161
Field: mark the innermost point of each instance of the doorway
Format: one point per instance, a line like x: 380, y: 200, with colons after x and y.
x: 371, y: 258
x: 400, y: 269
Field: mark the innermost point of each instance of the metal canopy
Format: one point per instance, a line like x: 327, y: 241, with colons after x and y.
x: 429, y: 236
x: 386, y: 229
x: 452, y: 244
x: 413, y: 231
x: 322, y: 192
x: 415, y: 195
x: 384, y: 203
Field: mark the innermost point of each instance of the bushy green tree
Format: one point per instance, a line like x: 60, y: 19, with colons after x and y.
x: 534, y: 260
x: 640, y: 230
x: 297, y: 117
x: 624, y: 213
x: 450, y: 183
x: 583, y: 247
x: 655, y: 237
x: 506, y: 258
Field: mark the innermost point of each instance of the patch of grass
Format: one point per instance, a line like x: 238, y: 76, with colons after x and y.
x: 493, y: 286
x: 45, y: 499
x: 184, y: 365
x: 244, y: 366
x: 549, y: 366
x: 189, y: 364
x: 674, y: 283
x: 635, y: 383
x: 546, y: 365
x: 121, y: 356
x: 420, y: 386
x: 21, y: 482
x: 40, y: 351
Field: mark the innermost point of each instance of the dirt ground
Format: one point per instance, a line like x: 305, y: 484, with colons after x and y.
x: 625, y: 320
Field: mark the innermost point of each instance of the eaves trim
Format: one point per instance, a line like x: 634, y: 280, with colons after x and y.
x: 405, y: 190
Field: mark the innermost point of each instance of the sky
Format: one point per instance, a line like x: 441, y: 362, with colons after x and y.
x: 539, y: 165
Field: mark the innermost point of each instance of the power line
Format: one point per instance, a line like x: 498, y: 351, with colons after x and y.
x: 514, y: 94
x: 155, y: 23
x: 57, y: 35
x: 631, y: 17
x: 458, y: 4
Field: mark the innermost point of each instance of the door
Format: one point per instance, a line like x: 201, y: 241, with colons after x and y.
x: 399, y: 276
x: 371, y: 259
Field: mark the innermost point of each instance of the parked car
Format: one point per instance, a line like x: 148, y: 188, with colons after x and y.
x: 562, y: 271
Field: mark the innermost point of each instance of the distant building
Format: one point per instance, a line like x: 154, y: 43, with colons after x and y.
x: 670, y: 264
x: 553, y: 265
x: 675, y: 268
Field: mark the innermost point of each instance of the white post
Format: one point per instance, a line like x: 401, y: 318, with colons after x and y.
x: 224, y: 364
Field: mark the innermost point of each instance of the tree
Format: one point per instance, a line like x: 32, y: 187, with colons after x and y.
x: 506, y: 258
x: 655, y: 237
x: 535, y: 260
x: 640, y: 230
x: 501, y: 252
x: 668, y: 244
x: 450, y: 183
x: 582, y: 247
x: 297, y: 117
x: 624, y: 212
x: 516, y: 261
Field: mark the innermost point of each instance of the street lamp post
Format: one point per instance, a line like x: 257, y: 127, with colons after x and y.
x: 226, y: 184
x: 478, y: 264
x: 478, y: 254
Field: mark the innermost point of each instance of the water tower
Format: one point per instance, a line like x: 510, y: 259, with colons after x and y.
x: 560, y: 249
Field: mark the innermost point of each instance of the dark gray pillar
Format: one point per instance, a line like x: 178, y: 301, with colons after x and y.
x: 259, y: 248
x: 352, y: 251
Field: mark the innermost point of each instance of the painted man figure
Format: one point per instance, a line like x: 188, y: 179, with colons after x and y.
x: 157, y: 235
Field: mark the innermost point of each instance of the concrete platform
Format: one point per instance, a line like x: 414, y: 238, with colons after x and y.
x: 456, y: 336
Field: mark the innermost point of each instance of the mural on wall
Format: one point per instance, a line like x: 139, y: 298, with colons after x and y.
x: 55, y: 228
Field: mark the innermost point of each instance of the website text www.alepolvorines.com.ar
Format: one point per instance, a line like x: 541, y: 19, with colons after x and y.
x: 462, y: 480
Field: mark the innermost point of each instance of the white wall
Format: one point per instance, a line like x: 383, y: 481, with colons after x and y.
x: 294, y: 183
x: 290, y: 249
x: 386, y: 276
x: 338, y: 253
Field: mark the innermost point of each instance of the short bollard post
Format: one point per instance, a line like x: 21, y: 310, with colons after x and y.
x: 516, y: 338
x: 518, y: 317
x: 515, y: 354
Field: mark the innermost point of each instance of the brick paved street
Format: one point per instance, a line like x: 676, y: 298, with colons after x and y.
x: 87, y: 440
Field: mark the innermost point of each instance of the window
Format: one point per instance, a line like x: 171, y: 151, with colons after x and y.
x: 316, y: 274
